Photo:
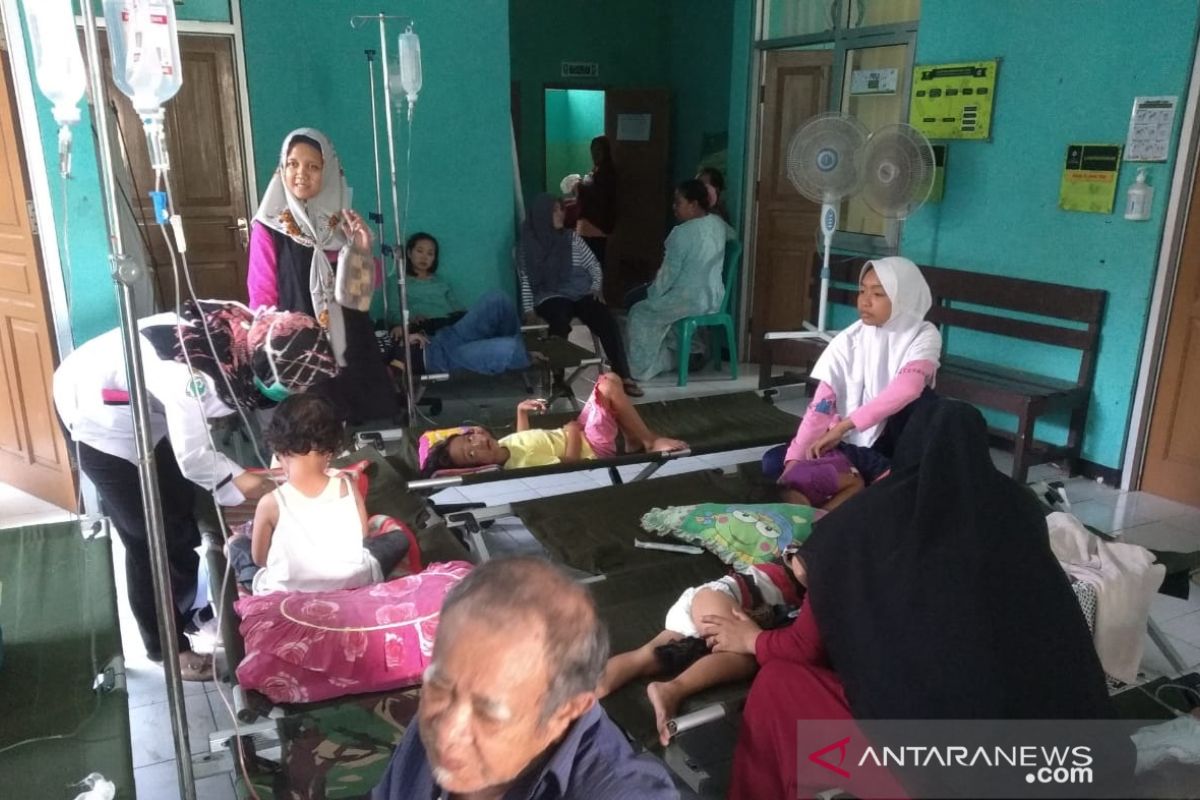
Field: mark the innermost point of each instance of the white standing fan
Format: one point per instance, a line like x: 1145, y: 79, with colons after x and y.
x: 898, y: 173
x: 824, y: 163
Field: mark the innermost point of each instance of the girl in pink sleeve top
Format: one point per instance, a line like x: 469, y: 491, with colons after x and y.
x: 869, y: 372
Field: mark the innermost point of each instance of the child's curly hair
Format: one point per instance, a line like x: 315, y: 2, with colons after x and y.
x: 304, y: 423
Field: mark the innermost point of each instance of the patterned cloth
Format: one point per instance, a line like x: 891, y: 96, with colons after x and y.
x: 304, y: 647
x: 234, y: 346
x: 741, y: 534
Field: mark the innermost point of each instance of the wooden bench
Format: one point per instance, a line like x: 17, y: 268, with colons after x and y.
x: 1069, y: 317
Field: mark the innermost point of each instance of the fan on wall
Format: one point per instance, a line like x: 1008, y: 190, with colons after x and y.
x: 824, y: 163
x: 898, y: 173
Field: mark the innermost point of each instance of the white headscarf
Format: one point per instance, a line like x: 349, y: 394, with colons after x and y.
x: 315, y: 223
x: 863, y: 359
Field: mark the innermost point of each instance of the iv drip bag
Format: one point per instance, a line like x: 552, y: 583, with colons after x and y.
x: 59, y: 67
x: 410, y: 67
x: 56, y: 58
x: 144, y: 47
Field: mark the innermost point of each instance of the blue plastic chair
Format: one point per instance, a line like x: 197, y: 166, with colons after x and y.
x: 687, y: 326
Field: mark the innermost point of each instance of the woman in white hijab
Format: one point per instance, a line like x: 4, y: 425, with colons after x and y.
x: 870, y: 374
x: 310, y: 252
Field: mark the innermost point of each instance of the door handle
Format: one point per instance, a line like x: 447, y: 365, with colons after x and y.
x: 243, y: 230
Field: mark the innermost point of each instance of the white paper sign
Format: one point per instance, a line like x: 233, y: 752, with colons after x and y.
x: 633, y: 127
x: 873, y: 81
x: 1150, y: 128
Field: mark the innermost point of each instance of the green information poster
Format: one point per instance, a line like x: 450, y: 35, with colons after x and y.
x: 1089, y: 181
x: 954, y: 101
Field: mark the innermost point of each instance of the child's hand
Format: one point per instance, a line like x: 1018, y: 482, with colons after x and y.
x: 418, y: 340
x: 535, y: 404
x: 830, y: 439
x: 397, y: 333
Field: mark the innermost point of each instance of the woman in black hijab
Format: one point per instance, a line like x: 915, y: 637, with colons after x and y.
x: 932, y: 596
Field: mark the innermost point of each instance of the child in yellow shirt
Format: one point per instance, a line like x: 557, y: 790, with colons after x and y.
x: 608, y: 412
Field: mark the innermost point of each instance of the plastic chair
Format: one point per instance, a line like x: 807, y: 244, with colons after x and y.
x: 687, y: 326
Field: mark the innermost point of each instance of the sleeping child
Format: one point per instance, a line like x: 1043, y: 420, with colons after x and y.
x: 309, y: 534
x: 608, y: 412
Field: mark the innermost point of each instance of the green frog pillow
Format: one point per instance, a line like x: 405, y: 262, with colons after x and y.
x: 741, y: 535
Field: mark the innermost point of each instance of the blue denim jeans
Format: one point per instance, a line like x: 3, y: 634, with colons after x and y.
x: 487, y: 340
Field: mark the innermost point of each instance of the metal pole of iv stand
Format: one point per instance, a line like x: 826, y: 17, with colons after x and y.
x: 377, y: 217
x: 125, y: 274
x: 409, y: 384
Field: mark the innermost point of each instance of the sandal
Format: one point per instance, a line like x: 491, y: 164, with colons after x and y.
x: 195, y: 667
x: 632, y: 389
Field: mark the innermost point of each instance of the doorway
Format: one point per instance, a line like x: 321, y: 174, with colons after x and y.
x: 796, y: 87
x: 573, y: 118
x: 208, y: 172
x: 1172, y: 461
x: 33, y: 449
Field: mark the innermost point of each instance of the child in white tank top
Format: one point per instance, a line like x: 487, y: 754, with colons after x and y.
x: 309, y: 534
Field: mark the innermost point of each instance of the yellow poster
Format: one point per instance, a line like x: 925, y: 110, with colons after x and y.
x: 1089, y: 181
x: 954, y: 101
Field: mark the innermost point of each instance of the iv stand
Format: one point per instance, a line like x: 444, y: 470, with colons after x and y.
x: 125, y: 273
x: 377, y: 216
x: 397, y: 250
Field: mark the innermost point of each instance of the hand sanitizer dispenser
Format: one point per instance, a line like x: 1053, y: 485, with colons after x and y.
x: 1140, y: 198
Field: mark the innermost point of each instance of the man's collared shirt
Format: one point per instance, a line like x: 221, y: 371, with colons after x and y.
x: 592, y: 762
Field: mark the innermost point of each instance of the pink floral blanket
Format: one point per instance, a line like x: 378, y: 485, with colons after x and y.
x: 304, y: 647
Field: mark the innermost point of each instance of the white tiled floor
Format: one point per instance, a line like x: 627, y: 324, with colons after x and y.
x: 1134, y: 517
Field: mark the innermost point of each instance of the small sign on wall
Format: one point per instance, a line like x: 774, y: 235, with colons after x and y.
x: 580, y: 69
x: 633, y: 127
x: 1089, y: 181
x: 873, y: 81
x: 1150, y: 128
x: 954, y: 101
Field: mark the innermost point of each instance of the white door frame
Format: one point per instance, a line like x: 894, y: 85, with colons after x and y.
x: 1174, y: 224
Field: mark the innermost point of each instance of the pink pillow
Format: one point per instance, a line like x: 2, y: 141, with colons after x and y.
x: 303, y: 647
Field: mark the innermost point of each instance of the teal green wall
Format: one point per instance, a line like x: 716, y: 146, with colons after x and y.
x: 625, y: 37
x: 573, y: 118
x: 698, y: 49
x: 1070, y: 72
x: 461, y: 169
x: 741, y: 33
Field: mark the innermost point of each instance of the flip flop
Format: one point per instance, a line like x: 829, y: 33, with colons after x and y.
x: 195, y: 667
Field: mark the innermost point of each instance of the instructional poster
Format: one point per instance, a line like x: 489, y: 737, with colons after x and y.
x: 1089, y: 181
x: 954, y: 101
x: 1150, y: 128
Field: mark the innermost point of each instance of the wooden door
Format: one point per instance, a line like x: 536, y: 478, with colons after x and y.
x: 208, y: 172
x: 1172, y: 465
x: 33, y: 450
x: 786, y: 230
x: 637, y: 124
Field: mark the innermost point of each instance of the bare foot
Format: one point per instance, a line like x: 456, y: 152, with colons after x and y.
x: 664, y: 443
x: 665, y: 699
x: 195, y: 667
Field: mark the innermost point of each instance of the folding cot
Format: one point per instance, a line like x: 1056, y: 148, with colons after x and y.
x: 64, y: 710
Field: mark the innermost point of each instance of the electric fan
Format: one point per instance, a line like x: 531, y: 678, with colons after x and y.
x: 824, y: 163
x: 898, y: 171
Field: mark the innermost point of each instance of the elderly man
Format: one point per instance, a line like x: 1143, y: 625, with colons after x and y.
x: 509, y: 708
